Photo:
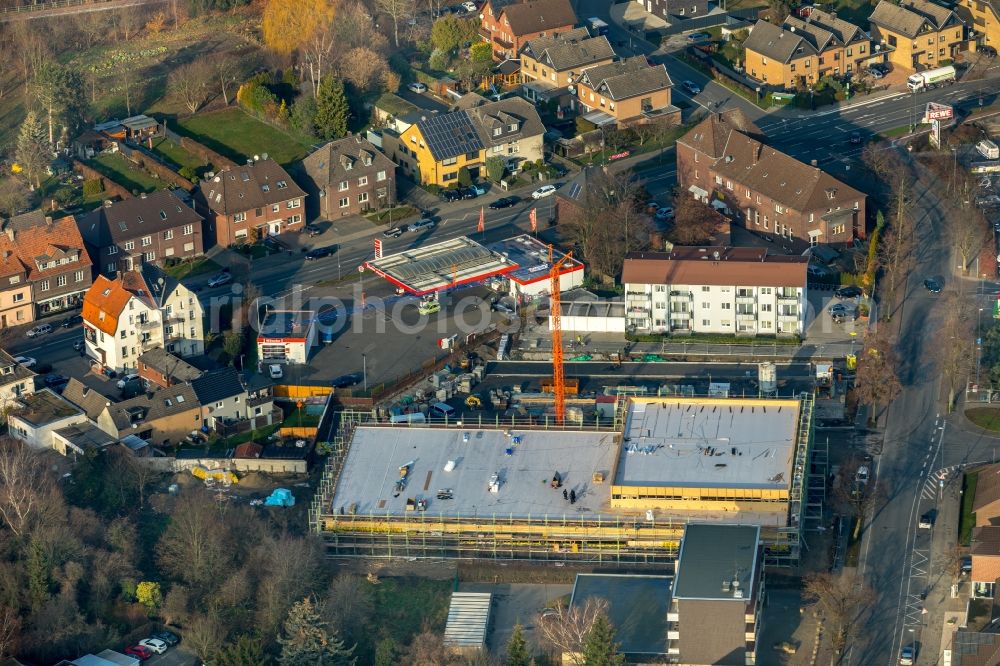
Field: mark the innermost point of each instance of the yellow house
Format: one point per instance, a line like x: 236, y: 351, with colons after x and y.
x: 918, y: 34
x: 626, y: 92
x: 550, y: 65
x: 801, y: 51
x: 985, y: 21
x: 434, y: 149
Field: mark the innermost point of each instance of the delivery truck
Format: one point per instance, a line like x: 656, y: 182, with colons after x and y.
x: 988, y: 149
x: 932, y: 78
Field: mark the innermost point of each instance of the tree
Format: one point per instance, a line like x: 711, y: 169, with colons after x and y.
x: 189, y: 83
x: 227, y: 69
x: 896, y: 245
x: 969, y: 231
x: 494, y: 168
x: 148, y: 594
x: 694, y: 222
x: 877, y: 381
x: 12, y: 197
x: 871, y: 261
x: 203, y: 634
x: 332, y: 110
x: 600, y: 648
x: 779, y: 9
x: 472, y: 73
x: 129, y: 20
x: 464, y: 177
x: 290, y: 566
x: 396, y: 10
x: 196, y: 544
x: 365, y: 69
x: 449, y: 33
x: 27, y: 494
x: 10, y: 631
x: 858, y: 497
x: 387, y: 652
x: 955, y: 341
x: 306, y: 26
x: 428, y: 649
x: 232, y: 343
x: 840, y: 600
x: 60, y: 91
x: 567, y: 628
x: 517, y: 648
x: 305, y: 640
x: 349, y: 606
x: 246, y: 650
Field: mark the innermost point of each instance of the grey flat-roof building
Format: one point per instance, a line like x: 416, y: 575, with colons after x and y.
x: 637, y: 607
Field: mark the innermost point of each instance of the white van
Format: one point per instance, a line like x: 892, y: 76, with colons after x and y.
x: 441, y: 409
x: 415, y: 417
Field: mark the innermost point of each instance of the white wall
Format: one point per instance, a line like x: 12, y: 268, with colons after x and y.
x: 41, y: 437
x: 591, y: 324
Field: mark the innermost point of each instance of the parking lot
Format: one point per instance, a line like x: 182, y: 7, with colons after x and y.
x: 177, y: 656
x: 823, y: 328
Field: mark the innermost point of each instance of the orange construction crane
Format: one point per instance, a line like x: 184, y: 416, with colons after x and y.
x: 555, y: 310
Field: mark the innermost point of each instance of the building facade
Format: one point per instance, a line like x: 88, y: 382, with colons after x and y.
x: 917, y: 34
x: 984, y: 17
x: 508, y: 26
x: 15, y: 381
x: 550, y: 65
x: 433, y: 150
x: 718, y: 290
x: 800, y: 52
x: 36, y: 417
x: 349, y: 177
x: 149, y: 229
x: 245, y: 203
x: 672, y: 10
x: 770, y: 193
x: 138, y: 311
x: 625, y: 91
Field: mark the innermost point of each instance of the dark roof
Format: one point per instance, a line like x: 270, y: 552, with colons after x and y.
x: 450, y: 135
x: 975, y: 648
x: 911, y: 17
x: 147, y: 407
x: 345, y: 158
x: 219, y: 385
x: 85, y: 436
x: 986, y: 541
x: 169, y: 365
x: 139, y: 216
x: 568, y: 50
x: 539, y: 16
x: 987, y: 489
x: 637, y: 607
x: 777, y: 43
x: 43, y: 407
x: 845, y: 31
x: 712, y: 555
x: 501, y: 115
x: 626, y: 78
x: 92, y: 402
x: 254, y: 185
x: 11, y: 371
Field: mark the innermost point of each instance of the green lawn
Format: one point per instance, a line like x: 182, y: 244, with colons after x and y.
x: 987, y: 418
x: 191, y: 268
x: 968, y: 518
x: 394, y: 214
x: 403, y: 607
x: 120, y: 170
x: 175, y: 156
x: 238, y: 136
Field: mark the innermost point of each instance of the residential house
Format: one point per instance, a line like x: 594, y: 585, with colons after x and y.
x: 673, y: 10
x: 80, y: 438
x: 626, y: 92
x: 137, y: 311
x: 799, y: 52
x: 508, y: 25
x: 15, y: 381
x: 36, y: 416
x: 348, y: 177
x: 986, y: 503
x: 720, y: 290
x: 150, y: 228
x: 162, y: 417
x: 970, y: 646
x: 226, y: 403
x: 983, y: 16
x: 16, y: 305
x: 244, y: 203
x: 772, y: 194
x: 160, y: 367
x: 551, y: 65
x: 917, y: 34
x: 985, y: 551
x: 433, y: 150
x: 718, y: 595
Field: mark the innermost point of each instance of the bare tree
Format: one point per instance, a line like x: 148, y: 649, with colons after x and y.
x: 135, y: 474
x: 364, y: 68
x: 694, y: 222
x: 31, y: 46
x: 189, y: 84
x: 27, y: 493
x: 896, y: 245
x: 969, y: 231
x: 397, y: 10
x: 13, y: 196
x: 354, y: 28
x: 954, y: 347
x: 90, y: 26
x: 840, y: 600
x: 877, y: 158
x: 204, y: 634
x: 129, y: 20
x: 10, y: 631
x: 877, y: 380
x: 290, y: 566
x: 856, y: 493
x: 428, y: 649
x: 349, y: 605
x: 227, y: 69
x: 196, y: 543
x: 566, y: 628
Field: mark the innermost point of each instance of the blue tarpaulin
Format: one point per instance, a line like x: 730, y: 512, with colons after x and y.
x: 280, y: 497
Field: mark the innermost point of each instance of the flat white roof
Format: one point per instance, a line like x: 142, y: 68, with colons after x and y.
x: 714, y: 443
x: 438, y: 266
x: 468, y: 619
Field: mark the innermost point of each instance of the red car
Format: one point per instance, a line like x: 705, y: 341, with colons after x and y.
x: 139, y: 652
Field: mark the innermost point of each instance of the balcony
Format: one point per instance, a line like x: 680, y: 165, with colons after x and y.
x: 746, y: 299
x: 640, y: 311
x: 148, y: 324
x: 788, y: 317
x: 746, y: 316
x: 681, y: 294
x: 788, y: 297
x: 680, y: 314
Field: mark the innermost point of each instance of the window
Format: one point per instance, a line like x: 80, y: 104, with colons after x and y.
x: 147, y: 241
x: 793, y: 66
x: 188, y: 229
x: 706, y: 322
x: 729, y: 185
x: 345, y: 202
x: 44, y: 285
x: 452, y: 175
x: 189, y: 247
x: 727, y: 306
x: 78, y: 276
x: 837, y: 229
x: 18, y: 297
x: 113, y: 249
x: 497, y: 131
x: 281, y: 184
x: 765, y: 324
x: 748, y: 194
x: 240, y: 217
x: 275, y: 208
x: 706, y: 289
x: 449, y: 161
x: 168, y: 252
x: 718, y: 180
x: 14, y: 279
x: 61, y: 280
x: 513, y: 126
x: 124, y: 351
x: 808, y: 62
x: 149, y: 256
x: 706, y: 305
x: 380, y: 176
x: 363, y: 197
x: 295, y: 203
x: 343, y: 185
x: 850, y: 51
x: 168, y: 234
x: 129, y: 246
x: 294, y: 219
x: 778, y: 208
x: 765, y: 307
x: 111, y: 267
x: 361, y: 182
x: 123, y: 334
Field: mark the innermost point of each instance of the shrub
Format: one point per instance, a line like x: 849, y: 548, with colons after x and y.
x: 93, y: 187
x: 583, y: 125
x: 188, y: 174
x: 464, y: 177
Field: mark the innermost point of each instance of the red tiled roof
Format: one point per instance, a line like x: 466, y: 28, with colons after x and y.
x: 104, y: 302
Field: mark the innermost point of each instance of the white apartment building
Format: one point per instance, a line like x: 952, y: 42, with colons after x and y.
x: 137, y: 311
x: 718, y: 290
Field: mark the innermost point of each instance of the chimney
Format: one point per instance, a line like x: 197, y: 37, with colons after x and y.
x: 815, y: 163
x: 10, y: 233
x: 833, y: 15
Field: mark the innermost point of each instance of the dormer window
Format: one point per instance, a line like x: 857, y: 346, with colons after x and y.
x: 123, y: 226
x: 512, y: 127
x: 265, y: 187
x: 497, y: 131
x: 282, y: 184
x: 368, y: 161
x: 348, y: 166
x: 163, y: 214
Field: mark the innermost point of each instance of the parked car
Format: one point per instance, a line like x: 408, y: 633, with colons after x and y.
x: 54, y: 380
x: 313, y: 230
x: 876, y: 73
x: 933, y: 285
x: 124, y: 381
x: 926, y: 521
x: 469, y: 6
x: 167, y: 637
x: 155, y: 645
x: 855, y: 139
x: 989, y: 201
x: 220, y: 279
x: 417, y: 87
x: 41, y: 329
x: 966, y: 565
x: 987, y: 51
x: 862, y: 475
x: 504, y: 202
x: 320, y: 252
x: 419, y: 225
x: 79, y: 345
x: 663, y: 214
x: 907, y: 655
x: 698, y: 36
x: 26, y: 361
x: 394, y: 232
x: 543, y: 191
x: 841, y: 310
x: 140, y: 652
x: 851, y: 291
x: 345, y: 381
x: 450, y: 196
x: 467, y: 193
x: 72, y: 320
x: 275, y: 371
x: 692, y: 87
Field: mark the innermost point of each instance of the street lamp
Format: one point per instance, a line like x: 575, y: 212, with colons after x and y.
x: 979, y: 345
x: 364, y: 370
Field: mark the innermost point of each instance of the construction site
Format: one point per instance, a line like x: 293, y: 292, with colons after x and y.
x: 621, y: 493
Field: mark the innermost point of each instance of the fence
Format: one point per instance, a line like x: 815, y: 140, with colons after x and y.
x: 268, y: 465
x: 62, y: 4
x: 111, y: 188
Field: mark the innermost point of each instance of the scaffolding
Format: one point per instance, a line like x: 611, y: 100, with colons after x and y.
x: 798, y: 493
x: 340, y: 443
